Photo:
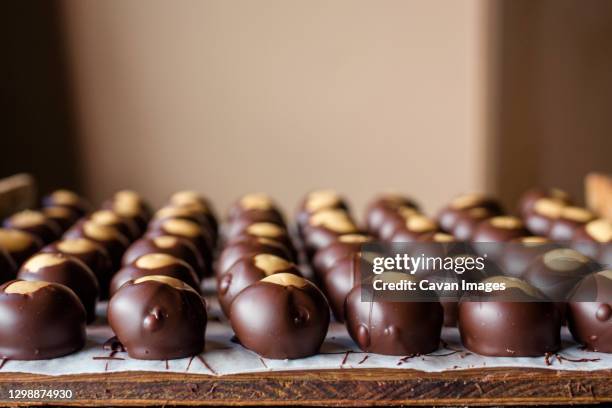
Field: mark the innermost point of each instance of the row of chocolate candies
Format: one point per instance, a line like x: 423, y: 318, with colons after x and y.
x: 331, y: 241
x: 257, y: 244
x: 27, y: 231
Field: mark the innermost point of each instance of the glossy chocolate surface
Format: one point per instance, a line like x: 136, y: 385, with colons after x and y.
x: 393, y: 328
x: 36, y: 223
x: 563, y: 228
x: 65, y: 217
x: 91, y: 254
x: 282, y: 316
x: 448, y: 216
x: 109, y: 238
x: 18, y: 244
x: 68, y: 199
x: 247, y: 246
x: 158, y: 318
x: 345, y: 246
x: 529, y: 198
x: 8, y: 268
x: 516, y: 322
x: 338, y: 281
x: 65, y: 270
x: 155, y: 264
x: 378, y: 210
x: 248, y: 271
x: 40, y: 320
x: 166, y: 244
x: 590, y: 312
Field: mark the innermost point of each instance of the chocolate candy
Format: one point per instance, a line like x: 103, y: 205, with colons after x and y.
x: 65, y: 217
x: 468, y: 220
x: 158, y: 318
x: 415, y: 226
x: 248, y: 246
x: 246, y: 272
x: 188, y: 230
x: 18, y: 244
x: 531, y: 197
x: 166, y: 244
x: 155, y: 264
x: 39, y: 320
x: 394, y: 328
x: 316, y: 201
x: 345, y: 246
x: 395, y: 220
x: 521, y: 252
x: 67, y: 199
x: 114, y: 242
x: 186, y: 212
x: 563, y: 228
x: 338, y: 281
x: 91, y: 254
x: 515, y: 322
x: 126, y: 226
x: 65, y: 270
x: 129, y: 204
x: 324, y: 227
x: 8, y: 269
x: 500, y: 229
x: 590, y: 312
x: 557, y: 271
x: 195, y: 201
x: 378, y: 210
x: 255, y: 207
x: 594, y: 239
x: 448, y: 216
x: 36, y: 223
x: 540, y: 217
x: 283, y: 316
x: 266, y: 230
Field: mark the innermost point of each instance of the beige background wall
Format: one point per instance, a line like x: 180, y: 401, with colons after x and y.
x: 228, y: 96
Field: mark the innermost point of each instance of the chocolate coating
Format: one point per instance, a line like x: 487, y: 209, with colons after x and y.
x: 468, y: 220
x: 36, y: 223
x: 195, y: 201
x: 184, y: 212
x: 65, y: 270
x: 393, y: 328
x: 282, y: 316
x: 65, y: 217
x: 345, y: 246
x: 594, y: 240
x: 91, y: 254
x: 130, y: 204
x: 498, y: 229
x: 521, y: 252
x: 18, y: 244
x: 246, y: 272
x: 315, y: 201
x: 155, y: 264
x: 541, y: 214
x: 8, y: 269
x: 448, y: 216
x: 109, y: 238
x: 108, y: 218
x: 248, y: 246
x: 256, y: 205
x: 39, y: 320
x: 516, y: 322
x: 562, y: 229
x: 324, y: 228
x: 529, y: 198
x: 158, y: 318
x: 377, y: 211
x: 394, y: 220
x: 166, y: 244
x: 557, y: 271
x: 68, y: 199
x: 415, y: 227
x: 338, y: 281
x: 590, y: 312
x: 188, y: 230
x: 266, y: 230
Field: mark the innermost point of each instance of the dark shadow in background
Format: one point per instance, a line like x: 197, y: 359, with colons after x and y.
x: 554, y: 94
x: 37, y: 128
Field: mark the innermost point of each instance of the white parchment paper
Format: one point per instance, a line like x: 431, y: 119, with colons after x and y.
x: 222, y: 356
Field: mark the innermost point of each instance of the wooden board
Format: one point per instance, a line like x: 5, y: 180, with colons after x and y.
x: 331, y: 387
